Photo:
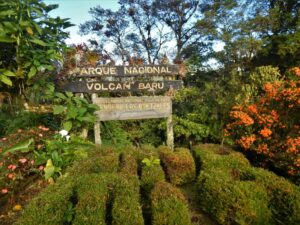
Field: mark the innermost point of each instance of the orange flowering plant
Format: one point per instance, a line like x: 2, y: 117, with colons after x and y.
x: 270, y: 125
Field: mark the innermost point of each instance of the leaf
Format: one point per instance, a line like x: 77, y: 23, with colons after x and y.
x: 58, y: 109
x: 38, y: 42
x: 146, y: 161
x: 32, y: 72
x: 60, y: 95
x: 8, y: 73
x: 29, y: 30
x: 7, y: 12
x: 56, y: 158
x: 68, y: 125
x: 6, y: 80
x: 156, y: 161
x: 22, y: 147
x: 72, y: 113
x: 6, y: 39
x: 49, y: 169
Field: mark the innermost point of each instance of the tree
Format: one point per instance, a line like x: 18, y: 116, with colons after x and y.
x: 111, y: 27
x: 151, y: 35
x: 179, y: 16
x: 30, y: 41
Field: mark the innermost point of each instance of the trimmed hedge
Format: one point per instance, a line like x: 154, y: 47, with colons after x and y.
x: 97, y: 162
x: 233, y: 192
x: 128, y: 165
x: 92, y: 195
x: 179, y: 165
x: 168, y: 205
x: 284, y: 197
x: 50, y: 207
x: 126, y: 208
x: 232, y: 202
x: 150, y: 175
x: 209, y: 156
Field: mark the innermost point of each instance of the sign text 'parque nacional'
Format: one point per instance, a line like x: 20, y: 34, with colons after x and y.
x: 155, y: 70
x: 124, y: 108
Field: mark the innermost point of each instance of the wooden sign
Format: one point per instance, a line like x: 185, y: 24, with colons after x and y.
x: 155, y: 70
x: 124, y: 108
x: 120, y: 86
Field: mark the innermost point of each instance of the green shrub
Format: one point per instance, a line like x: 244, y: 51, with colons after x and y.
x: 234, y: 192
x: 168, y: 205
x: 146, y: 151
x: 92, y: 195
x: 209, y: 156
x: 50, y: 207
x: 284, y: 196
x: 126, y: 208
x: 128, y: 165
x: 232, y: 202
x: 97, y: 162
x: 179, y: 165
x: 150, y: 175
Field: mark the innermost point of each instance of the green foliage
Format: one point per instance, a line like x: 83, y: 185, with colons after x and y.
x: 12, y: 122
x: 150, y: 175
x: 114, y: 134
x: 179, y: 165
x: 22, y: 147
x: 257, y: 79
x: 151, y: 161
x: 50, y: 206
x: 234, y: 192
x: 99, y: 160
x: 128, y: 165
x: 92, y: 197
x: 284, y: 197
x: 75, y: 112
x: 126, y: 208
x: 30, y: 40
x: 58, y: 154
x: 168, y: 205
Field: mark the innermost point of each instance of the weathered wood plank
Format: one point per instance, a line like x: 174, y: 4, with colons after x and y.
x: 121, y: 86
x: 125, y: 108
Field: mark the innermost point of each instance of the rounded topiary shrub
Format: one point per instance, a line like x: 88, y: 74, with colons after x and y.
x: 150, y: 175
x: 179, y: 165
x: 168, y: 205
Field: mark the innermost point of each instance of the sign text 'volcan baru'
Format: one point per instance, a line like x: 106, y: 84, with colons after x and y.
x: 121, y: 86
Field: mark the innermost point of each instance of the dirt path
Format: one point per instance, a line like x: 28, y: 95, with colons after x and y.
x: 198, y: 217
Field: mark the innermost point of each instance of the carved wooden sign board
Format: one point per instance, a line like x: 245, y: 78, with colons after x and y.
x: 125, y: 108
x: 127, y: 79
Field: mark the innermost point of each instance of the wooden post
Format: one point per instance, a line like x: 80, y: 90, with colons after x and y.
x: 97, y: 130
x: 170, y: 134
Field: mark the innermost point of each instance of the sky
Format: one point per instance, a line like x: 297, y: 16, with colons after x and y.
x: 78, y: 12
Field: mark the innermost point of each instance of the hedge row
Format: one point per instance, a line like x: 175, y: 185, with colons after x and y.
x: 128, y: 165
x: 103, y: 160
x: 50, y: 207
x: 126, y: 208
x: 92, y: 195
x: 150, y: 175
x: 233, y: 192
x: 179, y: 165
x: 168, y: 205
